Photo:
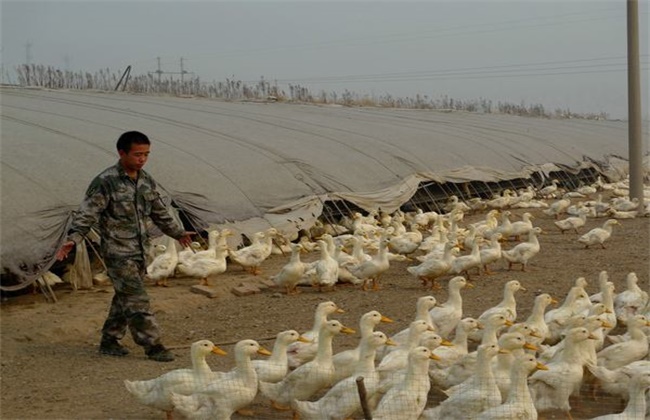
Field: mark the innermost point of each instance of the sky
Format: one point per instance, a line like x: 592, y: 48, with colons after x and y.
x: 569, y: 54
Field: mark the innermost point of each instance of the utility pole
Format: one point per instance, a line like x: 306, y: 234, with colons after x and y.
x: 28, y: 53
x: 635, y: 144
x: 182, y: 70
x: 159, y: 71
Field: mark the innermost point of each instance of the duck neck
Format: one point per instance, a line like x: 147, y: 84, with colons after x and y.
x: 279, y: 354
x: 422, y: 313
x: 608, y: 298
x: 460, y: 340
x: 199, y: 365
x: 537, y: 314
x: 366, y: 364
x: 519, y: 392
x: 636, y: 333
x: 366, y: 329
x: 324, y: 352
x: 454, y: 299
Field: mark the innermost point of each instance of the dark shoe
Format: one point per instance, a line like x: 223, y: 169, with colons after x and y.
x: 112, y: 347
x: 159, y: 353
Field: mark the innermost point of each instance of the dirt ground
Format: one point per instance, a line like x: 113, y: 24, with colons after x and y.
x: 51, y: 369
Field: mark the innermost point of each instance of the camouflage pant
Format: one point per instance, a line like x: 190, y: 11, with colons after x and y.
x: 130, y: 305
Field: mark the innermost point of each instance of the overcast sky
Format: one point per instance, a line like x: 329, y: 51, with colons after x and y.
x: 567, y: 54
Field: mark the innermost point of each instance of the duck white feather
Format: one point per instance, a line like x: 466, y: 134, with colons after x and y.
x: 598, y: 235
x: 252, y: 256
x: 164, y: 264
x: 478, y: 393
x: 291, y: 273
x: 231, y: 392
x: 156, y: 393
x: 620, y: 354
x: 630, y: 301
x: 636, y: 407
x: 311, y: 377
x: 342, y: 400
x: 446, y: 316
x: 299, y: 352
x: 518, y: 404
x: 552, y: 388
x: 345, y: 361
x: 408, y: 398
x: 276, y: 367
x: 524, y: 251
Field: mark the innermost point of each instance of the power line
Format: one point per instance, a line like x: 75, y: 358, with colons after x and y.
x: 510, y: 70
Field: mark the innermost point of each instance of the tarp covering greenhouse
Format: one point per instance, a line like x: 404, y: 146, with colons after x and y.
x: 255, y: 164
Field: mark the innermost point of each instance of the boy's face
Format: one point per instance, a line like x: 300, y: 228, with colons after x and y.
x: 136, y: 158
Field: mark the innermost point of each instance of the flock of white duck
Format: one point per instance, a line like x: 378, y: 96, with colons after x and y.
x: 490, y: 367
x: 360, y: 249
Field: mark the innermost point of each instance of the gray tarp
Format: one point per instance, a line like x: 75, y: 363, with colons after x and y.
x: 240, y: 162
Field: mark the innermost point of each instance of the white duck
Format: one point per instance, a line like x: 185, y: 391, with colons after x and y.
x: 603, y: 279
x: 188, y: 252
x: 536, y: 320
x: 276, y: 367
x: 156, y: 393
x: 513, y: 345
x: 548, y: 190
x: 422, y: 307
x: 206, y: 266
x: 325, y: 272
x: 291, y: 273
x: 407, y: 399
x: 572, y: 223
x: 450, y: 354
x: 507, y: 307
x: 407, y: 242
x: 465, y: 367
x: 630, y: 301
x: 491, y: 253
x: 345, y: 361
x: 504, y: 227
x: 164, y: 264
x: 187, y: 255
x: 231, y: 392
x: 558, y: 207
x: 252, y: 256
x: 616, y: 382
x: 465, y: 263
x: 300, y: 353
x: 556, y: 319
x: 397, y: 358
x: 478, y: 393
x: 341, y: 401
x: 598, y: 235
x: 620, y: 354
x: 428, y: 339
x: 551, y: 388
x: 518, y: 404
x: 446, y: 316
x: 432, y: 268
x: 524, y: 251
x: 373, y: 269
x: 637, y: 405
x: 311, y: 377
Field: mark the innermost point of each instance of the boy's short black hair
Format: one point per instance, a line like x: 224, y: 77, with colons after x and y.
x: 131, y: 137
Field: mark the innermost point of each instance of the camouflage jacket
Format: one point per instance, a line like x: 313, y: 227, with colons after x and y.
x: 122, y: 208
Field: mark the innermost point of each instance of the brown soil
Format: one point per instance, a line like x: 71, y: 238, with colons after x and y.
x: 51, y: 368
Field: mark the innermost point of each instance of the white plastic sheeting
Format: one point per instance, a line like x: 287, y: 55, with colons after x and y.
x: 257, y: 164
